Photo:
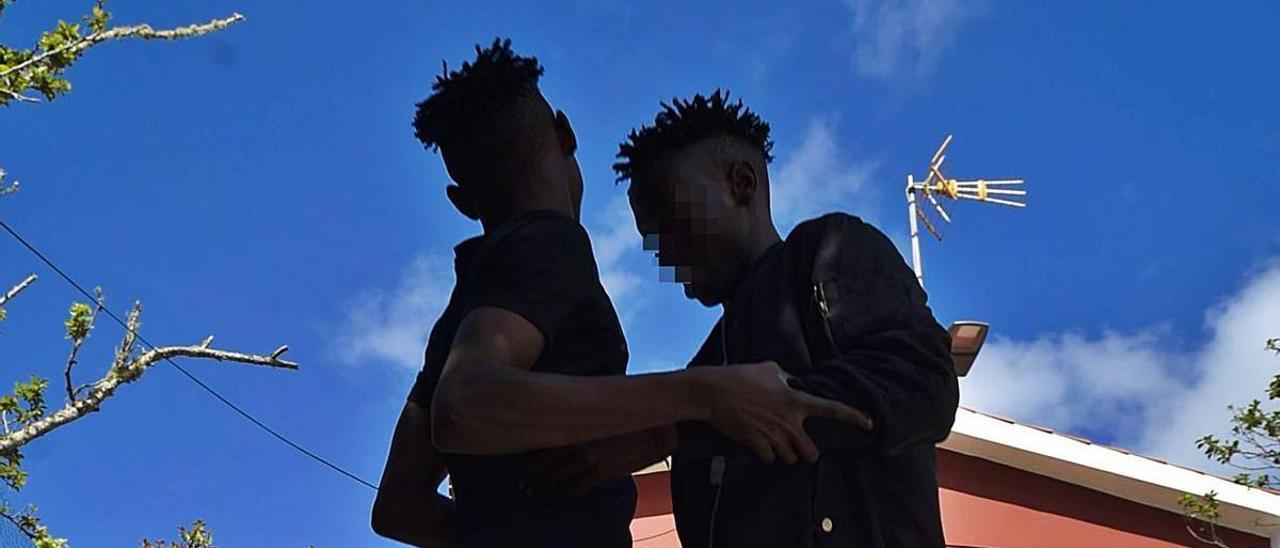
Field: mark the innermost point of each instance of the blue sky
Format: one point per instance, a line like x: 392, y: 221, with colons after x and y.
x: 263, y: 185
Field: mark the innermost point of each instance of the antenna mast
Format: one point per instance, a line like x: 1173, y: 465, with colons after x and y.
x: 936, y: 185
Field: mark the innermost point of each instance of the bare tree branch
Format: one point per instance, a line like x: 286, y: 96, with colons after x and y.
x: 25, y: 283
x: 11, y: 187
x: 131, y: 325
x: 125, y: 370
x: 19, y: 97
x: 71, y: 362
x: 18, y: 524
x: 1212, y: 538
x: 142, y: 31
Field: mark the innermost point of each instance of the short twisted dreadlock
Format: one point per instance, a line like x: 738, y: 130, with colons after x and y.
x: 684, y: 122
x: 462, y: 99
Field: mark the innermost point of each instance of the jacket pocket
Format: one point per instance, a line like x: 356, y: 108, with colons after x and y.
x: 837, y: 302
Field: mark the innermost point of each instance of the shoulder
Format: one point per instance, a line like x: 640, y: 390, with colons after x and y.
x: 843, y: 233
x: 537, y: 225
x: 539, y: 235
x: 820, y: 225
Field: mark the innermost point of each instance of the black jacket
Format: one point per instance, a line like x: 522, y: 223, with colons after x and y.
x: 836, y: 306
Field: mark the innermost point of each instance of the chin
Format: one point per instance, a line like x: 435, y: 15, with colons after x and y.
x: 701, y: 294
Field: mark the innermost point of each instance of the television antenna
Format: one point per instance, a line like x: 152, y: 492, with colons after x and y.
x: 936, y: 185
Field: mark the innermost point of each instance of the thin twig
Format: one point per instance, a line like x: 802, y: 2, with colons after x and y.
x: 1213, y: 537
x: 25, y: 283
x: 75, y: 349
x: 71, y: 362
x: 21, y: 528
x: 7, y: 188
x: 131, y: 325
x: 18, y: 96
x: 142, y: 31
x: 128, y: 372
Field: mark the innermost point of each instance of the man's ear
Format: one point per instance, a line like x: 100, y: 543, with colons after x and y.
x: 461, y: 199
x: 564, y: 130
x: 743, y: 182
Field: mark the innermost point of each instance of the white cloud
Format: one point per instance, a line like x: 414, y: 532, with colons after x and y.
x: 1233, y: 366
x: 895, y: 38
x: 1155, y: 400
x: 817, y: 177
x: 391, y: 327
x: 1069, y: 381
x: 614, y: 238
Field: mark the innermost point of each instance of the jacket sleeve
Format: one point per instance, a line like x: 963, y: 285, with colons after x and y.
x: 892, y: 360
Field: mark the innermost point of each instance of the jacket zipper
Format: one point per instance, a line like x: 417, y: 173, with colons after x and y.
x: 718, y: 461
x: 820, y: 295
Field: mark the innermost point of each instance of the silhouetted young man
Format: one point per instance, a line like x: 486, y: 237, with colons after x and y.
x: 528, y: 353
x: 834, y: 304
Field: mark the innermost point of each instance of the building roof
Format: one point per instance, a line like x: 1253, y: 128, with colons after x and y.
x: 1112, y: 470
x: 1117, y: 472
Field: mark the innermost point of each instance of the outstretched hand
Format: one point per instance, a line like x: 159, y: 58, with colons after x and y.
x: 753, y: 405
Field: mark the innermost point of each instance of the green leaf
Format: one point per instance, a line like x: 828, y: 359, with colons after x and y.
x: 98, y: 18
x: 79, y: 321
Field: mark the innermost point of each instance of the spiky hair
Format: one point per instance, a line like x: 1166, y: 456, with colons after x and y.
x: 684, y: 122
x: 460, y: 98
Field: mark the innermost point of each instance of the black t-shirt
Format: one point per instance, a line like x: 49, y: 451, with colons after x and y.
x: 540, y: 266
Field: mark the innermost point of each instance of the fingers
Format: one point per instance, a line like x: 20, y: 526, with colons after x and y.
x: 763, y: 450
x: 782, y: 447
x: 819, y: 407
x: 787, y: 445
x: 804, y: 445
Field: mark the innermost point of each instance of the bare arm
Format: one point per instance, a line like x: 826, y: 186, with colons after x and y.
x: 488, y: 402
x: 408, y: 508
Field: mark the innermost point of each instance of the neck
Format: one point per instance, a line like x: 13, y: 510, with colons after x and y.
x: 528, y: 194
x: 763, y: 237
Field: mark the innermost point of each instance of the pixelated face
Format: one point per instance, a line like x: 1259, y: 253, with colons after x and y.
x: 682, y: 211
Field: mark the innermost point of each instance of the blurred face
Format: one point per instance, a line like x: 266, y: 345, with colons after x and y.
x: 686, y: 215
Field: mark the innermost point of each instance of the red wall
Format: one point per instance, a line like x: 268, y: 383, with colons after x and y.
x: 992, y: 505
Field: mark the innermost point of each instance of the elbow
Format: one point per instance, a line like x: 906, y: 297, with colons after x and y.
x: 469, y: 416
x: 446, y: 436
x: 383, y: 519
x: 453, y: 424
